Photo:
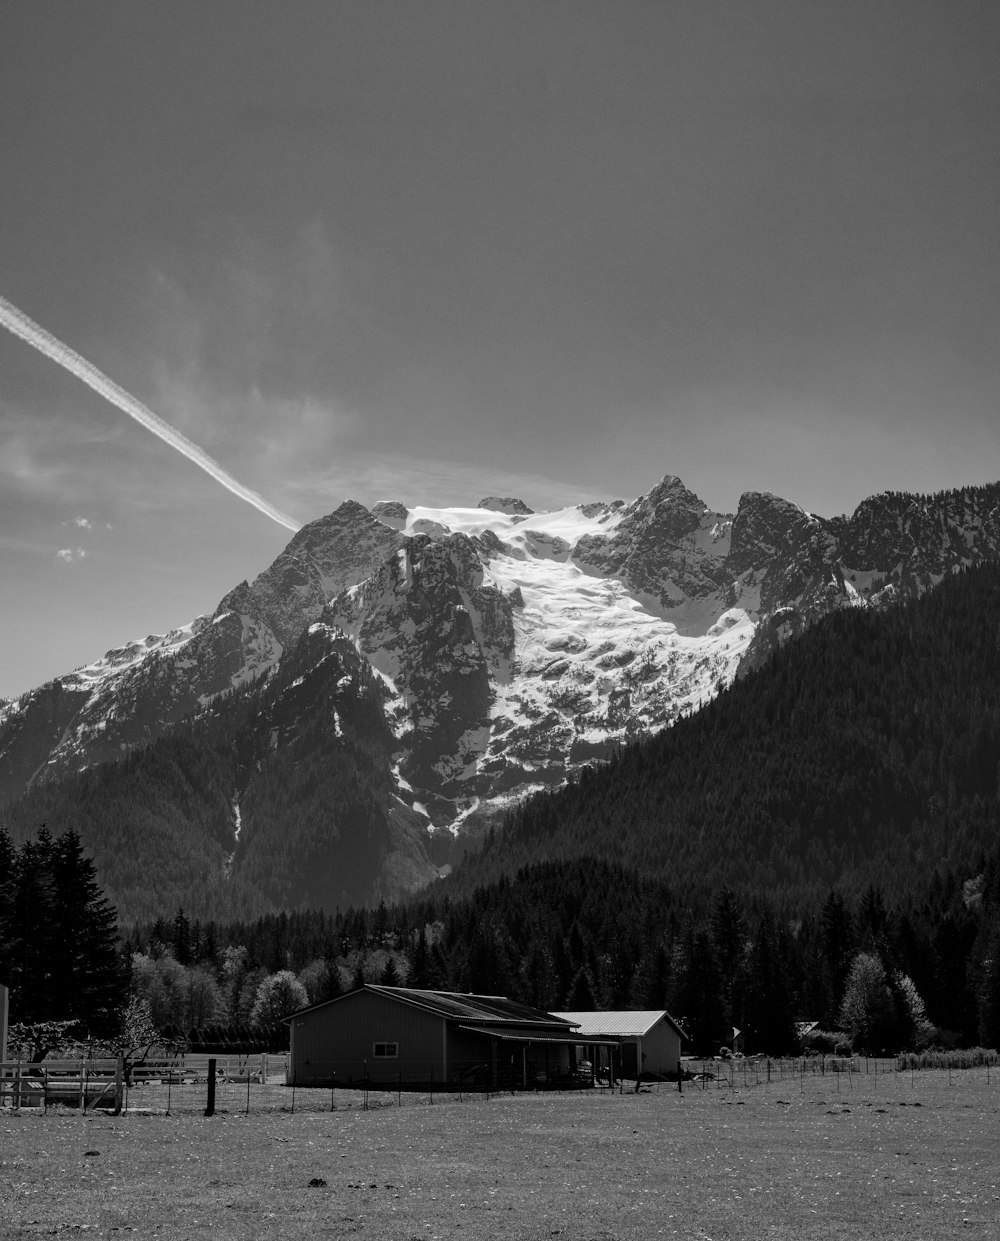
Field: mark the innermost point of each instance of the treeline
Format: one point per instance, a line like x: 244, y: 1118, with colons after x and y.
x: 586, y: 934
x: 869, y: 747
x: 873, y: 974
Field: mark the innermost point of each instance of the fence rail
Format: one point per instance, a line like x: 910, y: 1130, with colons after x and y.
x: 82, y: 1083
x: 763, y: 1070
x: 259, y: 1083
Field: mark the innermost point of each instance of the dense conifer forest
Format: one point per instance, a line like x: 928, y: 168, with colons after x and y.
x: 59, y: 946
x: 162, y: 823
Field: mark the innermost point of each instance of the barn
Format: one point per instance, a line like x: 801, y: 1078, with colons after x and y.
x: 388, y: 1036
x: 650, y: 1039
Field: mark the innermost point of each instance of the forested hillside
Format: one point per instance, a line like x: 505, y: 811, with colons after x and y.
x: 220, y: 818
x: 865, y: 751
x: 588, y: 934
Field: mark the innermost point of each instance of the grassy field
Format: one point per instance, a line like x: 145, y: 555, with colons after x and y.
x: 911, y: 1156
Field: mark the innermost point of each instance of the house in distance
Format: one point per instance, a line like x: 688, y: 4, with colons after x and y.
x: 386, y: 1036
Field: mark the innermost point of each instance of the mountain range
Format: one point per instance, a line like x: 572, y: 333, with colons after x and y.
x: 339, y: 729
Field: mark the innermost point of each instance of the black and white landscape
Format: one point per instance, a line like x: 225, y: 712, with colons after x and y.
x: 399, y: 679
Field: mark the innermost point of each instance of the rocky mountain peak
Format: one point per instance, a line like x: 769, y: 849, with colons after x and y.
x: 766, y: 528
x: 505, y: 504
x: 504, y: 648
x: 391, y: 512
x: 668, y: 546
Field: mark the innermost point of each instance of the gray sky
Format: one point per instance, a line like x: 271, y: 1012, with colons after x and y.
x: 433, y: 251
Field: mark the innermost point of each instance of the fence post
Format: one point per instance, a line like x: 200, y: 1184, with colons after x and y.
x: 210, y: 1102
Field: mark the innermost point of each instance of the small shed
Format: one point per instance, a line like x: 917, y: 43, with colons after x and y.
x: 650, y: 1039
x: 386, y: 1036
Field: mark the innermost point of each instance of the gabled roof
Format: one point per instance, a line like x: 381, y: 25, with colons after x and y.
x: 483, y: 1008
x: 458, y: 1006
x: 533, y: 1037
x: 623, y: 1024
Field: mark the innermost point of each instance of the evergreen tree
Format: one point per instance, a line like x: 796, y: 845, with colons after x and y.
x: 60, y: 938
x: 419, y: 975
x: 767, y: 1014
x: 538, y: 981
x: 838, y: 942
x: 581, y: 998
x: 86, y: 975
x: 651, y: 981
x: 698, y: 998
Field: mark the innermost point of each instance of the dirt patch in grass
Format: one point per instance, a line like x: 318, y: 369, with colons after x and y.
x: 914, y: 1157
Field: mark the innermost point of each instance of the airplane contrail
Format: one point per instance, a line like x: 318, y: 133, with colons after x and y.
x: 27, y: 329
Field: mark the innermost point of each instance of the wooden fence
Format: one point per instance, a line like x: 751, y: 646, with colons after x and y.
x: 82, y: 1083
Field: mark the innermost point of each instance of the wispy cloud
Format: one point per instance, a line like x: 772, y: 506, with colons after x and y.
x: 21, y: 325
x: 84, y: 523
x: 70, y: 554
x: 369, y: 477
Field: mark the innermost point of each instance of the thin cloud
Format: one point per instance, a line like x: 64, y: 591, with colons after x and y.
x: 21, y: 325
x: 84, y: 523
x: 70, y: 554
x: 369, y: 477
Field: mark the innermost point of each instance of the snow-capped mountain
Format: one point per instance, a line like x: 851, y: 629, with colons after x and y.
x: 512, y: 646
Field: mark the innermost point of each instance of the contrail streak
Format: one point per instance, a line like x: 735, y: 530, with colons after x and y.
x: 17, y: 321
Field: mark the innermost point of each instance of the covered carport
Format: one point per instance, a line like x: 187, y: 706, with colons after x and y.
x: 536, y: 1061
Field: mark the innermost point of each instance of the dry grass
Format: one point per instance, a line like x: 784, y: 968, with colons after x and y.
x: 910, y: 1157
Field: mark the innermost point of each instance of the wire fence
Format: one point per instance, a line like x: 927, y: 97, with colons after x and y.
x: 245, y: 1085
x: 248, y: 1085
x: 845, y: 1072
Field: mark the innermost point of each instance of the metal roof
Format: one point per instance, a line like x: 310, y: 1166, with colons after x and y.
x: 561, y: 1039
x: 482, y: 1008
x: 622, y: 1024
x: 454, y: 1005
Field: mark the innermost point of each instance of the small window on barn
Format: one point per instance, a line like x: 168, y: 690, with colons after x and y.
x: 386, y: 1051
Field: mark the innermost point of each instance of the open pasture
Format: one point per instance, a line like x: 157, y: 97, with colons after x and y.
x: 913, y: 1156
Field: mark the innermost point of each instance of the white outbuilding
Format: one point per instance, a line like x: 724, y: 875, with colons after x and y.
x: 650, y: 1039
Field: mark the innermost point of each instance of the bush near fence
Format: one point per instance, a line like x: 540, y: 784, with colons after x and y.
x: 970, y: 1058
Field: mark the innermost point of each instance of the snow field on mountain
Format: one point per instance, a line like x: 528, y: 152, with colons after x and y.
x: 593, y: 662
x: 566, y: 524
x: 589, y: 636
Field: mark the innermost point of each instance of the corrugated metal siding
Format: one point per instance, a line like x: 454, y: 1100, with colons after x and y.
x: 623, y: 1024
x: 662, y: 1049
x: 337, y: 1041
x: 661, y: 1044
x: 334, y: 1043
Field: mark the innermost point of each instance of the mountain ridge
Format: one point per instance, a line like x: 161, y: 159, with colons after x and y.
x: 510, y: 647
